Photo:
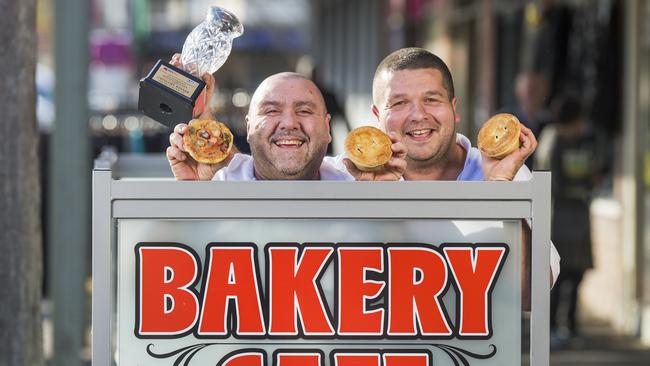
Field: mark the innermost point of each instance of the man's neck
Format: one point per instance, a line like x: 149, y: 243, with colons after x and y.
x: 447, y: 167
x: 308, y: 175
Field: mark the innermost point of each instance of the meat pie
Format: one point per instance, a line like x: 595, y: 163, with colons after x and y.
x: 499, y: 136
x: 208, y: 141
x: 368, y: 147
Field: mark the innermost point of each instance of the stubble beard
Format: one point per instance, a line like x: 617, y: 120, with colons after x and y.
x: 436, y: 156
x: 279, y: 167
x: 292, y: 166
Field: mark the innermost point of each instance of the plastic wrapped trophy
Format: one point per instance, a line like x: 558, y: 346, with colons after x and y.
x: 170, y: 95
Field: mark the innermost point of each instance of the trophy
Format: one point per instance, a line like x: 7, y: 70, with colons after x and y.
x: 170, y: 95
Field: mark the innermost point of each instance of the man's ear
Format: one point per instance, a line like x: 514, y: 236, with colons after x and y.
x: 248, y: 128
x: 328, y: 120
x: 375, y: 111
x: 453, y: 107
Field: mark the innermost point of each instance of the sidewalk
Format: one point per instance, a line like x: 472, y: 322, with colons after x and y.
x: 599, y: 348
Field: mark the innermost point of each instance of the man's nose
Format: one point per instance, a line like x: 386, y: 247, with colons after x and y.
x: 418, y: 112
x: 288, y: 121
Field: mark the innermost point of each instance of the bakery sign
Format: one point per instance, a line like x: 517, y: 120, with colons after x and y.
x: 242, y: 293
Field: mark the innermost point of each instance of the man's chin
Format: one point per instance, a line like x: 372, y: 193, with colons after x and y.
x: 420, y: 151
x: 296, y: 164
x: 291, y: 170
x: 422, y: 156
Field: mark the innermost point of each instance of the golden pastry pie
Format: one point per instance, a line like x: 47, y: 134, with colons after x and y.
x: 499, y: 136
x: 368, y: 147
x: 207, y: 141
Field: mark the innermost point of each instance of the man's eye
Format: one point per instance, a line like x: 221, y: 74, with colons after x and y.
x: 305, y: 112
x: 398, y: 103
x: 431, y: 100
x: 271, y: 111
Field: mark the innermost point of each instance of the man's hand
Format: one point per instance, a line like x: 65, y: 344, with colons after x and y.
x: 183, y: 165
x: 392, y: 170
x: 210, y: 84
x: 507, y: 168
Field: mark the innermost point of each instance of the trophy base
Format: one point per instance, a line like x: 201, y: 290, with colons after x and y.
x: 170, y: 95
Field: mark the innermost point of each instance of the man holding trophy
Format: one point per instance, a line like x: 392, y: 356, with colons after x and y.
x: 172, y: 94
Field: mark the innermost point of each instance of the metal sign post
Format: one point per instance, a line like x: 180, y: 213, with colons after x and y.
x: 380, y: 273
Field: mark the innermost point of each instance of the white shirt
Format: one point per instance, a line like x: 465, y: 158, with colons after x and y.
x: 241, y: 168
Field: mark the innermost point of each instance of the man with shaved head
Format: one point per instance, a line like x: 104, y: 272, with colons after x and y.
x: 283, y: 147
x: 288, y: 131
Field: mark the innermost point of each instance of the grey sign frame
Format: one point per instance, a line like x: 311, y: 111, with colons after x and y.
x: 116, y: 196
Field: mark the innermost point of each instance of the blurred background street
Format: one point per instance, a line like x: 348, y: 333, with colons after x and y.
x: 603, y: 350
x: 577, y: 72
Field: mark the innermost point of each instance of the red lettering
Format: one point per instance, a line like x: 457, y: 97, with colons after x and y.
x: 406, y: 359
x: 294, y: 292
x: 418, y: 277
x: 167, y: 305
x: 231, y: 274
x: 298, y: 359
x: 357, y: 359
x: 355, y: 290
x: 474, y: 272
x: 244, y: 359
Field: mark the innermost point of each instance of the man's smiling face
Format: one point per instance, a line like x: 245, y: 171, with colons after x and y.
x: 415, y: 104
x: 288, y: 128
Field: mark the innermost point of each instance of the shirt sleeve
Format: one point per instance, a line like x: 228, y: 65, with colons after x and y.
x: 336, y: 162
x: 523, y: 174
x: 555, y: 264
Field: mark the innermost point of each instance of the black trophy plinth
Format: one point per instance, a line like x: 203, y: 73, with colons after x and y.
x: 170, y: 95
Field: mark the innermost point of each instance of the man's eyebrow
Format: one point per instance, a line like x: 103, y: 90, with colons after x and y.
x: 427, y: 93
x: 396, y: 96
x: 435, y: 92
x: 274, y: 103
x: 304, y: 103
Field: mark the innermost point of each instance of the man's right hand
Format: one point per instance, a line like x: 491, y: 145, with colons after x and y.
x: 393, y: 170
x: 183, y: 166
x: 210, y: 85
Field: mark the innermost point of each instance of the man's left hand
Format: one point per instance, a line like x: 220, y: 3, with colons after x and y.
x: 506, y: 168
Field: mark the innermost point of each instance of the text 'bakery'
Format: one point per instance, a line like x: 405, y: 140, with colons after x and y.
x: 380, y: 290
